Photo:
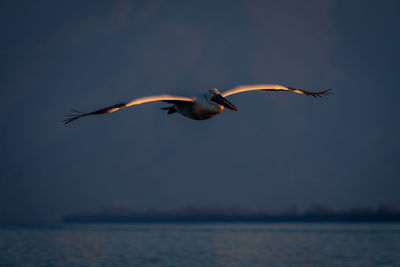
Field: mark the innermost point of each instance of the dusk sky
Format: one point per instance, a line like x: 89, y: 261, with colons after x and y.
x: 280, y: 150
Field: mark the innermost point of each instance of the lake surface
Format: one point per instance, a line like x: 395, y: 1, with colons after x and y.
x: 201, y: 245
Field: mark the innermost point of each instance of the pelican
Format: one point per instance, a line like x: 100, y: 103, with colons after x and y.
x: 197, y: 107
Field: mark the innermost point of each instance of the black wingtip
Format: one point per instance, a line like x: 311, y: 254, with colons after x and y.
x: 73, y: 117
x: 66, y: 121
x: 313, y: 94
x: 322, y: 93
x: 326, y: 92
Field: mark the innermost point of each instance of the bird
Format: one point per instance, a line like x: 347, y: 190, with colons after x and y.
x: 198, y: 107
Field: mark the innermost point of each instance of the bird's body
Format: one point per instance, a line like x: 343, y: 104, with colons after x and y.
x: 198, y: 107
x: 201, y: 109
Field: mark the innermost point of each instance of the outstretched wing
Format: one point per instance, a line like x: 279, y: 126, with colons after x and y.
x: 137, y: 101
x: 271, y: 87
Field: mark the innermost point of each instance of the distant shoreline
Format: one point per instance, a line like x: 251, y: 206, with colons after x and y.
x: 197, y: 215
x: 205, y: 221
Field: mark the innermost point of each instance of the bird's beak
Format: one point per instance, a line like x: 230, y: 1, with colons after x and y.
x: 219, y: 99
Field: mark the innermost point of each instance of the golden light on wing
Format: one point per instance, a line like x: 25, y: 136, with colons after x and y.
x: 146, y: 99
x: 244, y: 88
x: 271, y: 87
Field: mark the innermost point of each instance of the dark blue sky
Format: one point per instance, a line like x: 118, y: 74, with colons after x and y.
x: 280, y: 150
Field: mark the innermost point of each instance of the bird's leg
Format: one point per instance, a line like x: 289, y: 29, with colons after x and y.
x: 171, y: 110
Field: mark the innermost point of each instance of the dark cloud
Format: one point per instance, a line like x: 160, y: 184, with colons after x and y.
x: 279, y: 150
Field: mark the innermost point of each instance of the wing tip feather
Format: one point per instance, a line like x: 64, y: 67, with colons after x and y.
x: 73, y: 117
x: 313, y: 94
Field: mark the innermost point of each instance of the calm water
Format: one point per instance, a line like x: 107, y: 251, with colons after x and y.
x: 201, y: 245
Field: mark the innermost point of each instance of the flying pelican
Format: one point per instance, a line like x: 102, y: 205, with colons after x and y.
x: 198, y: 107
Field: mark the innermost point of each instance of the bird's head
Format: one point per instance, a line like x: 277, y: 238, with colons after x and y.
x: 215, y: 96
